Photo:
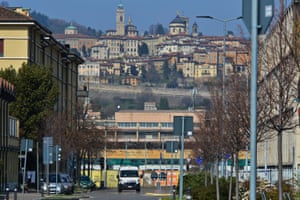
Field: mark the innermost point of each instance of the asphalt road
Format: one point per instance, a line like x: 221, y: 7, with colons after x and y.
x: 105, y: 194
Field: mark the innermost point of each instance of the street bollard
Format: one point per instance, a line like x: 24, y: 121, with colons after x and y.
x: 15, y: 193
x: 174, y: 192
x: 42, y: 192
x: 7, y: 193
x: 188, y: 194
x: 42, y: 188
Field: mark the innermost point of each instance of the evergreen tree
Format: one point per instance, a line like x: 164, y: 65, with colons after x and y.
x: 84, y: 51
x: 159, y: 29
x: 166, y: 71
x: 163, y: 103
x: 133, y: 70
x: 143, y: 74
x: 9, y: 74
x: 36, y: 94
x: 152, y: 75
x: 143, y: 49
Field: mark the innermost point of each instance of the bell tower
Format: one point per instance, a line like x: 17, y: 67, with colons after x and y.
x: 120, y: 20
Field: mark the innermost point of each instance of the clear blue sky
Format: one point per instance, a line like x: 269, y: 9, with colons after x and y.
x: 100, y: 14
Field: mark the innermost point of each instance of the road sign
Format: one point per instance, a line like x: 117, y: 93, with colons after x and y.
x: 26, y: 143
x: 265, y: 14
x: 183, y: 124
x: 47, y: 150
x: 172, y: 146
x: 199, y: 160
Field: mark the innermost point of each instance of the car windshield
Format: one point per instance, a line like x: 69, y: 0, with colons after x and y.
x: 52, y: 178
x: 85, y: 178
x: 64, y: 179
x: 129, y: 173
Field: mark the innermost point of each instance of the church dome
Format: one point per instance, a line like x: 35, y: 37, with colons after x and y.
x: 178, y: 20
x: 71, y: 30
x: 71, y: 27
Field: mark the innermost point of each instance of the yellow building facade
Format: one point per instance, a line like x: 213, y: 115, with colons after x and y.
x: 24, y: 41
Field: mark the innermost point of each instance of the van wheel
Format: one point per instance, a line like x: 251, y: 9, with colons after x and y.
x: 119, y: 190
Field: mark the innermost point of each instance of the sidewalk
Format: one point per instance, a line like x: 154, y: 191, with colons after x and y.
x: 35, y: 196
x: 25, y: 196
x: 163, y: 191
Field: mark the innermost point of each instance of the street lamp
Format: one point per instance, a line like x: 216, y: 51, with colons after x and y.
x: 105, y: 155
x: 224, y: 21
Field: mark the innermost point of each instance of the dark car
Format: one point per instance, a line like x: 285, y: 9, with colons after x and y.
x: 87, y: 183
x: 58, y: 184
x: 68, y: 183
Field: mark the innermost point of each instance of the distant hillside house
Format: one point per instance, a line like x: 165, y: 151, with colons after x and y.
x: 100, y: 51
x: 76, y: 40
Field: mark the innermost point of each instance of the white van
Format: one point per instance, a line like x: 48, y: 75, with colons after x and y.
x: 129, y: 179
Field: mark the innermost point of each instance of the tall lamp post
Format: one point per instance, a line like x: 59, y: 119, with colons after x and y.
x: 105, y: 155
x: 224, y: 21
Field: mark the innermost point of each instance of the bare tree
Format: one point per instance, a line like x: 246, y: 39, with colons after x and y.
x: 217, y: 124
x: 204, y: 146
x: 84, y: 140
x: 237, y: 120
x: 279, y: 85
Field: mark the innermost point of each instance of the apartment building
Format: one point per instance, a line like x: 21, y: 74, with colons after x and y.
x: 9, y: 139
x: 277, y: 54
x: 24, y: 41
x: 99, y: 51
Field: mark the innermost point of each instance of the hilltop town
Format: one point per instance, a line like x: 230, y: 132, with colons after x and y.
x: 177, y: 59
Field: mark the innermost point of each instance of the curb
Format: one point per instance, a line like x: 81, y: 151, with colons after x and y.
x: 158, y: 194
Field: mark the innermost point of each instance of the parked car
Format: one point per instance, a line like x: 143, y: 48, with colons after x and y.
x: 87, y: 183
x: 68, y: 183
x: 58, y: 184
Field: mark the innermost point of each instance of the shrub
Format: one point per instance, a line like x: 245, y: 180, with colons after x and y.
x: 201, y: 192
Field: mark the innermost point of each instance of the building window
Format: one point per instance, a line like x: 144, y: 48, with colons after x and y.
x: 127, y: 125
x: 12, y: 129
x: 166, y: 125
x: 1, y: 47
x: 149, y: 124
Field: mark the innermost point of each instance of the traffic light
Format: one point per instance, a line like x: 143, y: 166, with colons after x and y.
x: 102, y: 162
x: 57, y: 153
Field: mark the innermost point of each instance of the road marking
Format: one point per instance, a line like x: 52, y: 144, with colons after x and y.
x: 157, y: 194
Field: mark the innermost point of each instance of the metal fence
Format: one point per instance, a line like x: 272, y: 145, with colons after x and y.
x: 271, y: 175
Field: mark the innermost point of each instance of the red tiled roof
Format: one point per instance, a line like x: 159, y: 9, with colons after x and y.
x: 6, y: 89
x: 73, y: 36
x: 10, y: 15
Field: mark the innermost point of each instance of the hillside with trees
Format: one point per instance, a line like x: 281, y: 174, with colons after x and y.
x: 59, y: 25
